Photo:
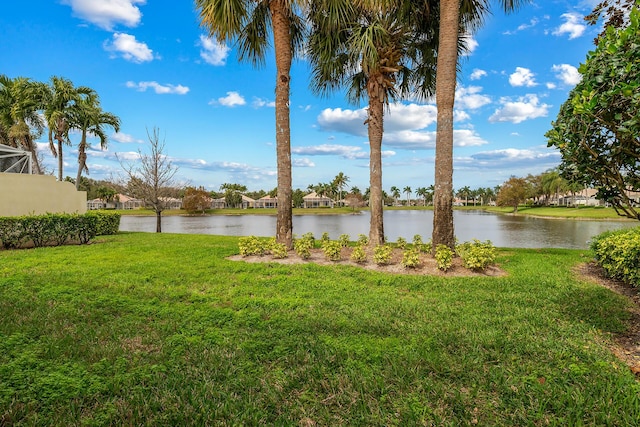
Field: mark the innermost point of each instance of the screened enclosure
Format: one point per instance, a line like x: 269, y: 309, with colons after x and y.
x: 14, y: 160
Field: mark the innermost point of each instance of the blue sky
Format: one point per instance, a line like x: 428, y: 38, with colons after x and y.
x: 154, y: 66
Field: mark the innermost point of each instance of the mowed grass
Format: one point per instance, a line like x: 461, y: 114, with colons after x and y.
x: 161, y: 330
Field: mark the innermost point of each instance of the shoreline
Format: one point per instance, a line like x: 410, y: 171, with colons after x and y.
x: 543, y: 212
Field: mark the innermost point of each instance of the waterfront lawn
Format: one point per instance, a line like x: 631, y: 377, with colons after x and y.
x: 147, y: 329
x: 582, y: 212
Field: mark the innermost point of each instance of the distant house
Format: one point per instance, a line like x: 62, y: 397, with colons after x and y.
x: 221, y: 203
x: 247, y: 202
x: 313, y: 200
x: 171, y: 202
x: 267, y: 202
x: 120, y: 201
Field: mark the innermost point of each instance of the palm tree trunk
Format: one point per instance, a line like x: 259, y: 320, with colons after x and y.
x: 445, y: 96
x: 82, y: 158
x: 282, y: 45
x: 375, y: 128
x: 60, y: 164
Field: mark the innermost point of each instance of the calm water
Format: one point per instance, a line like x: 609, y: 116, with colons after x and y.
x: 502, y: 230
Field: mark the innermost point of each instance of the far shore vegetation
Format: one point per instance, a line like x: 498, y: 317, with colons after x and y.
x: 582, y: 212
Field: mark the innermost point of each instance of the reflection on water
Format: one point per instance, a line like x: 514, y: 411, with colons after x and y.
x: 502, y: 230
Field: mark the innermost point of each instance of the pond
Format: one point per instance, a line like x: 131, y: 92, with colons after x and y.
x: 502, y: 230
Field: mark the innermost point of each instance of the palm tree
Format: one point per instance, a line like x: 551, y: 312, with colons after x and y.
x: 379, y: 53
x: 59, y: 98
x: 422, y: 192
x: 247, y: 23
x: 87, y: 117
x: 407, y: 190
x: 456, y: 17
x: 339, y: 182
x: 464, y: 192
x: 395, y: 193
x: 20, y: 123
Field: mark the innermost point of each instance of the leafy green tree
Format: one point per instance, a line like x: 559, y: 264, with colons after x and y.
x: 250, y: 23
x: 513, y: 192
x: 616, y: 13
x: 233, y: 194
x: 456, y: 17
x: 60, y: 97
x: 87, y: 116
x: 379, y: 51
x: 598, y: 128
x: 298, y: 198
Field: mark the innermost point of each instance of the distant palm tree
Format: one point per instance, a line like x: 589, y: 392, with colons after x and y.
x: 59, y: 99
x: 20, y: 123
x: 87, y: 116
x: 422, y: 192
x: 339, y: 182
x: 249, y: 23
x: 395, y: 193
x: 407, y: 190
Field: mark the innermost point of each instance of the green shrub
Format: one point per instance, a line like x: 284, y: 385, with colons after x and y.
x: 107, y: 223
x: 444, y: 257
x: 477, y: 255
x: 417, y: 241
x: 279, y: 250
x: 47, y: 229
x: 344, y: 240
x: 382, y: 254
x: 12, y: 232
x: 252, y: 245
x: 303, y: 247
x: 84, y: 228
x: 325, y: 237
x: 411, y: 258
x: 363, y: 239
x: 332, y: 250
x: 358, y: 254
x: 401, y: 243
x: 618, y: 252
x: 309, y: 236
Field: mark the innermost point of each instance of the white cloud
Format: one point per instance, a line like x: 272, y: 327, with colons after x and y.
x: 551, y: 85
x: 522, y: 77
x: 124, y: 138
x: 510, y: 159
x: 573, y: 26
x: 158, y: 88
x: 525, y: 108
x: 213, y: 52
x: 259, y: 103
x: 471, y: 98
x: 470, y: 44
x: 346, y: 151
x: 302, y: 163
x: 523, y: 27
x: 232, y: 99
x: 477, y: 74
x: 426, y: 140
x: 129, y: 48
x: 568, y: 74
x: 107, y: 13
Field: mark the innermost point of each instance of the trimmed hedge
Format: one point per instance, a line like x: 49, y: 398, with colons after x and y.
x: 56, y: 229
x: 618, y: 253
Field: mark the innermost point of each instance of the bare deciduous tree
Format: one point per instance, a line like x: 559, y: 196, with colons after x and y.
x: 151, y: 177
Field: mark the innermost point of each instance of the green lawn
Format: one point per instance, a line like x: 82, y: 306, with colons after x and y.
x: 145, y: 329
